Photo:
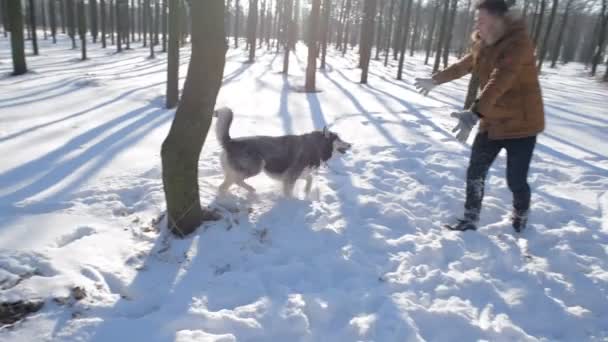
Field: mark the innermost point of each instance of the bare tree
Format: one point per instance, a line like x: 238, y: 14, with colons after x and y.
x: 4, y: 16
x: 82, y: 29
x: 450, y: 33
x: 104, y: 24
x: 367, y: 37
x: 325, y: 31
x: 15, y: 23
x: 181, y: 149
x: 380, y: 28
x: 389, y: 31
x: 442, y: 34
x: 429, y: 42
x: 545, y: 46
x: 539, y: 21
x: 173, y: 55
x: 601, y: 40
x: 93, y: 16
x: 53, y: 20
x: 416, y: 27
x: 398, y: 30
x: 118, y: 28
x: 289, y: 30
x: 311, y: 68
x: 560, y: 37
x: 403, y: 45
x: 71, y: 19
x: 252, y: 27
x: 32, y: 15
x: 237, y: 12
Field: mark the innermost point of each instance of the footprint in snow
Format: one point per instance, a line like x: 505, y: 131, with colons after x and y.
x: 79, y: 233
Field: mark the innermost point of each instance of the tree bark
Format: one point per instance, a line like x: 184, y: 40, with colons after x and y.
x: 560, y: 37
x: 94, y: 24
x: 289, y: 32
x: 379, y: 31
x: 64, y: 15
x: 164, y: 26
x: 156, y: 22
x: 112, y: 20
x: 71, y: 19
x: 416, y: 28
x: 173, y: 55
x: 429, y: 42
x: 53, y: 20
x: 313, y: 37
x: 367, y: 37
x: 601, y: 41
x: 543, y: 52
x: 398, y: 28
x: 104, y: 25
x: 442, y: 35
x: 15, y: 23
x: 82, y: 29
x: 236, y: 23
x: 32, y: 14
x: 389, y: 32
x: 448, y: 42
x: 4, y: 16
x: 325, y: 30
x: 539, y: 22
x: 403, y: 45
x: 252, y: 25
x: 181, y: 149
x: 43, y: 13
x: 117, y: 25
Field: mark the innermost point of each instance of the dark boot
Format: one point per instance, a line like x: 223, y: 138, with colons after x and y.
x: 462, y: 225
x: 519, y: 219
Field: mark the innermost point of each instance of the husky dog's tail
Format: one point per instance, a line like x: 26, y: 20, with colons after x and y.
x: 222, y: 127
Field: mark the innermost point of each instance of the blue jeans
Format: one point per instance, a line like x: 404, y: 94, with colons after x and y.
x: 483, y: 154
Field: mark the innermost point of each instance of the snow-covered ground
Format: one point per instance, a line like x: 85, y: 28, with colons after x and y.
x: 364, y: 259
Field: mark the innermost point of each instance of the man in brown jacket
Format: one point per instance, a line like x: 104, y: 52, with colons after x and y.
x: 510, y: 108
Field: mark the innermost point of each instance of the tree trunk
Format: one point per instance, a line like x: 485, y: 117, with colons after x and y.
x: 236, y: 23
x: 140, y: 20
x: 296, y: 25
x: 442, y: 35
x: 601, y: 41
x: 472, y: 91
x: 94, y: 25
x: 313, y: 37
x: 325, y: 31
x: 252, y: 28
x: 132, y: 26
x: 403, y: 45
x: 82, y: 29
x: 367, y: 37
x: 126, y: 24
x: 150, y: 25
x: 173, y: 55
x: 262, y: 29
x: 346, y: 30
x: 71, y: 19
x: 164, y: 25
x: 117, y: 27
x: 448, y: 42
x: 4, y: 16
x: 112, y: 20
x: 605, y: 79
x: 144, y: 21
x: 64, y: 15
x: 543, y: 52
x: 389, y: 32
x: 32, y: 14
x: 560, y: 37
x: 429, y: 42
x: 181, y: 149
x: 15, y: 23
x: 467, y: 30
x: 398, y: 28
x: 43, y: 13
x: 156, y: 22
x: 53, y: 20
x: 290, y: 30
x: 380, y: 28
x: 416, y: 28
x: 539, y: 22
x: 104, y: 25
x: 340, y: 32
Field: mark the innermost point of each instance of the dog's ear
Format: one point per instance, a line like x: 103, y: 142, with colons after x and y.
x: 326, y: 132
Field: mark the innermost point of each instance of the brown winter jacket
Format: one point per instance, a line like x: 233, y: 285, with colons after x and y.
x: 510, y: 101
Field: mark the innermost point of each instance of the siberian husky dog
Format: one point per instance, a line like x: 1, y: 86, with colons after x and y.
x: 286, y: 158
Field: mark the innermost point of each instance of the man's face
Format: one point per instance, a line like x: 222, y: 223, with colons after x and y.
x: 486, y: 24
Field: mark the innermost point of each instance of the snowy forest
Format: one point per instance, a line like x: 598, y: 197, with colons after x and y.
x: 123, y: 125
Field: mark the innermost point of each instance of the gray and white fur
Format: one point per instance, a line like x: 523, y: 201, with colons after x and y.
x: 286, y: 158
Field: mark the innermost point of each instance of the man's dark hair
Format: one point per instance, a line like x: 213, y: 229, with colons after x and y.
x: 495, y: 7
